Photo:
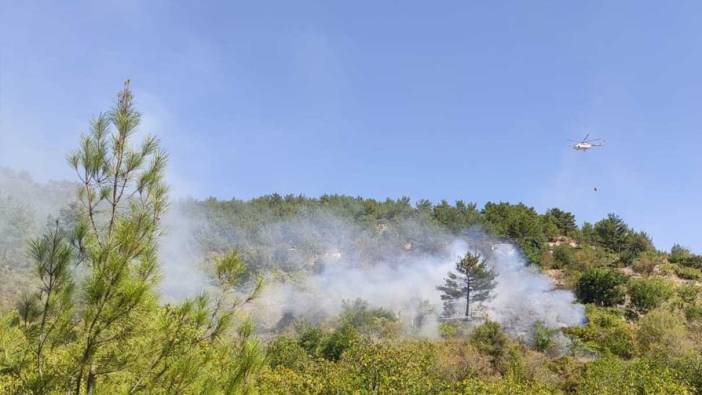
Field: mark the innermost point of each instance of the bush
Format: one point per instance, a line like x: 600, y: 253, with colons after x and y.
x: 613, y: 376
x: 678, y: 253
x: 448, y: 330
x: 646, y: 263
x: 458, y: 360
x: 339, y: 341
x: 310, y: 339
x: 287, y: 352
x: 489, y: 339
x: 542, y: 336
x: 688, y: 273
x: 563, y: 256
x: 636, y: 244
x: 694, y: 261
x: 661, y: 332
x: 367, y: 320
x: 389, y: 367
x: 602, y: 287
x: 647, y: 294
x: 689, y: 293
x: 606, y: 331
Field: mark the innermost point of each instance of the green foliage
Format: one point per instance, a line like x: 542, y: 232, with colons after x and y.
x: 679, y: 254
x: 368, y: 367
x: 449, y: 330
x: 688, y: 273
x: 491, y: 340
x: 662, y: 332
x: 328, y: 345
x: 636, y: 244
x: 603, y: 287
x: 542, y: 336
x: 587, y: 233
x: 649, y: 293
x: 91, y: 322
x: 646, y: 263
x: 693, y: 261
x: 517, y: 222
x: 615, y: 235
x: 563, y: 256
x: 564, y: 221
x: 287, y: 352
x: 613, y: 376
x: 367, y: 320
x: 111, y: 336
x: 455, y: 218
x: 310, y: 339
x: 473, y: 281
x: 388, y: 367
x: 339, y: 341
x: 611, y: 233
x: 607, y: 331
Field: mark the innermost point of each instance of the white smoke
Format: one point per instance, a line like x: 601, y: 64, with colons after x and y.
x: 180, y: 260
x: 26, y: 207
x: 523, y: 295
x: 328, y: 260
x: 331, y: 260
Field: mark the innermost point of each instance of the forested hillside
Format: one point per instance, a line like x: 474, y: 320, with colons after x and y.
x: 326, y: 295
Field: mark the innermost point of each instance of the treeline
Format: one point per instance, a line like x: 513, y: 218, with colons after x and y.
x: 517, y: 222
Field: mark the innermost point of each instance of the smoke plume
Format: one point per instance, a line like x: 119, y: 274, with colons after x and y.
x: 321, y: 260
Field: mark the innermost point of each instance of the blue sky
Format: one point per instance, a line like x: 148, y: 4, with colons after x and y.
x: 440, y: 100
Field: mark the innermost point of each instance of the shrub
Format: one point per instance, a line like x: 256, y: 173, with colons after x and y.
x: 368, y: 320
x: 647, y: 294
x: 661, y: 332
x: 693, y: 312
x: 636, y: 244
x: 459, y: 359
x: 310, y: 338
x: 646, y: 263
x: 678, y: 253
x: 388, y: 367
x: 339, y: 341
x: 602, y: 287
x: 688, y: 273
x: 546, y: 260
x: 491, y: 340
x: 606, y: 331
x: 448, y: 330
x: 563, y: 256
x: 613, y: 376
x: 689, y: 293
x: 542, y: 336
x: 287, y: 352
x: 692, y: 261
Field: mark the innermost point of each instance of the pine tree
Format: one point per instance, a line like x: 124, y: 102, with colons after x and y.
x: 473, y: 281
x: 95, y: 324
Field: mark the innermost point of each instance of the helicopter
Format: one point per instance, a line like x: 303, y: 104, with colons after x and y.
x: 585, y: 144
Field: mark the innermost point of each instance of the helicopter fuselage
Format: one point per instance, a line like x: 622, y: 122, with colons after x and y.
x: 582, y: 146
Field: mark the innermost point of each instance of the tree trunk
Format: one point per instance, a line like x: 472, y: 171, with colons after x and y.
x: 467, y: 298
x: 90, y: 383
